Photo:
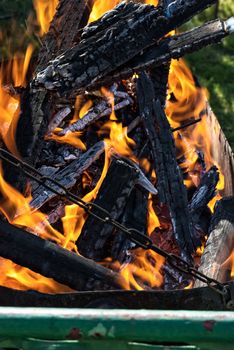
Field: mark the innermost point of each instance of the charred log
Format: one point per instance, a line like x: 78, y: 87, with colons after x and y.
x: 72, y: 15
x: 220, y: 243
x: 68, y: 176
x: 202, y: 196
x: 171, y: 189
x: 173, y: 47
x: 50, y: 260
x: 135, y: 216
x: 93, y: 59
x: 190, y: 299
x: 113, y: 196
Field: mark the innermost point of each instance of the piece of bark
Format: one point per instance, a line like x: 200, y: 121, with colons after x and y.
x: 171, y: 189
x: 68, y: 176
x: 93, y: 58
x: 135, y: 216
x: 220, y: 243
x: 175, y: 47
x: 51, y: 260
x: 113, y: 197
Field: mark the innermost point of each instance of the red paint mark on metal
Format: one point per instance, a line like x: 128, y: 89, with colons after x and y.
x: 98, y: 335
x: 209, y: 325
x: 74, y: 334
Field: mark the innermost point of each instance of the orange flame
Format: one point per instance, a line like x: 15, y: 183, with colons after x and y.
x: 188, y: 100
x: 45, y: 10
x: 15, y: 207
x: 14, y: 72
x: 144, y: 271
x: 118, y: 138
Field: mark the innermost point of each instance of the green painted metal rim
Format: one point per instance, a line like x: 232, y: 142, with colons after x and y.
x: 124, y: 325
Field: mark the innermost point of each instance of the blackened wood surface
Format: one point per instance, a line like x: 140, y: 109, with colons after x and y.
x: 171, y: 189
x: 94, y: 58
x: 174, y: 47
x: 135, y: 216
x: 50, y: 260
x: 190, y: 299
x: 65, y: 29
x: 204, y: 193
x: 113, y: 197
x: 220, y: 243
x: 68, y: 176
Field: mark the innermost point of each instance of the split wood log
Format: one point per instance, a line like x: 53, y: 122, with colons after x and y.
x: 220, y: 243
x: 112, y: 196
x: 188, y: 299
x: 50, y: 260
x: 171, y: 189
x: 221, y: 151
x: 175, y: 47
x: 93, y: 58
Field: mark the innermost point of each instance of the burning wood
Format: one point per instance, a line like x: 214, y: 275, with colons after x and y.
x: 175, y: 47
x: 92, y: 59
x: 219, y: 245
x: 50, y: 260
x: 100, y: 110
x: 68, y: 176
x: 133, y: 122
x: 170, y: 183
x: 113, y: 197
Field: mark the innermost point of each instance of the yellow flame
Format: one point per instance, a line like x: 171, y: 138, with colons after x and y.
x: 15, y: 73
x: 45, y: 10
x: 144, y: 271
x: 188, y: 100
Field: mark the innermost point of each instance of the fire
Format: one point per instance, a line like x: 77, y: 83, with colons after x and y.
x: 100, y: 7
x: 189, y: 101
x: 45, y: 10
x: 118, y: 138
x: 144, y: 270
x: 12, y: 73
x: 70, y: 138
x: 15, y: 207
x: 75, y: 216
x: 185, y: 100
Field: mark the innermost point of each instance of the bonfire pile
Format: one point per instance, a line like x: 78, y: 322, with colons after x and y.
x: 93, y: 118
